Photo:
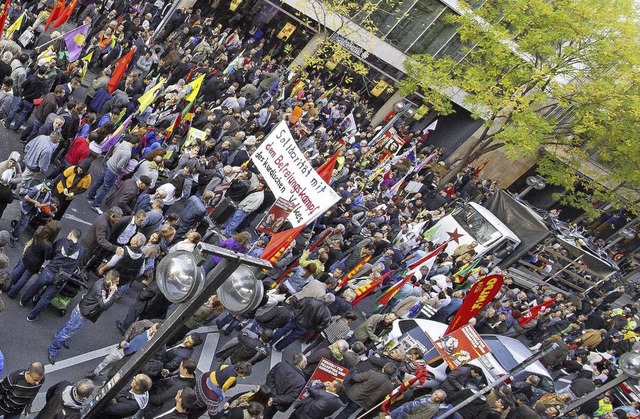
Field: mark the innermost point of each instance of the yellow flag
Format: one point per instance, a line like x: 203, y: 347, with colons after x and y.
x: 150, y: 95
x: 195, y: 88
x: 14, y: 26
x: 85, y: 66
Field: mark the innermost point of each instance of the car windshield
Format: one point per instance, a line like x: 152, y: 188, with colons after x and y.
x: 475, y: 224
x: 500, y: 353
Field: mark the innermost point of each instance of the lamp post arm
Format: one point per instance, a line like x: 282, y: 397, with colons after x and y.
x: 533, y: 358
x: 230, y: 262
x: 595, y: 393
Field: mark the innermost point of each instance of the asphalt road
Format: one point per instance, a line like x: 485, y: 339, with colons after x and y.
x: 23, y: 342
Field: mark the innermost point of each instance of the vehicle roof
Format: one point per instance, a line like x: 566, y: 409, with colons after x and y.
x: 499, y: 225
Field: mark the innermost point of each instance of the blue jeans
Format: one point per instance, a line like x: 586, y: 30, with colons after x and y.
x: 75, y: 322
x: 235, y: 220
x: 23, y: 222
x: 45, y: 279
x: 19, y: 112
x: 101, y: 186
x: 292, y: 330
x: 20, y: 275
x: 31, y: 129
x: 228, y: 320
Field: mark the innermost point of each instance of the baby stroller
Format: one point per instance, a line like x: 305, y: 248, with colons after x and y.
x: 71, y: 288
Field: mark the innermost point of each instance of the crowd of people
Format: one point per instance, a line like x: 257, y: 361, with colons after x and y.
x: 160, y: 190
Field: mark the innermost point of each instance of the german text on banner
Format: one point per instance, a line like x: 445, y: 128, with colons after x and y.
x: 290, y: 176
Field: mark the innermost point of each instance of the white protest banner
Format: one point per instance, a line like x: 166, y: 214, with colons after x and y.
x: 290, y: 176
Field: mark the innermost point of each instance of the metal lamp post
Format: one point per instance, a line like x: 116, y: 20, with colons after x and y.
x: 533, y: 182
x: 181, y: 279
x: 629, y: 363
x: 401, y: 108
x: 624, y: 234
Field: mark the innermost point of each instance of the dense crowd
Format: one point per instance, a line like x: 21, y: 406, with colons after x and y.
x: 161, y: 189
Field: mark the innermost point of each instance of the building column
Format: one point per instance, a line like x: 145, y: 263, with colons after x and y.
x: 385, y: 109
x: 308, y: 50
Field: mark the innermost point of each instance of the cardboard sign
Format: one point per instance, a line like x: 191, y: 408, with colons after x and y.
x: 275, y: 218
x: 325, y: 371
x: 290, y: 176
x: 461, y: 346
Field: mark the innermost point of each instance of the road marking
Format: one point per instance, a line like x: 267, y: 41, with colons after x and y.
x: 275, y: 358
x: 208, y: 352
x: 65, y: 363
x: 79, y: 220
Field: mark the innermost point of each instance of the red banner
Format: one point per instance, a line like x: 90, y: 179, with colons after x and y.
x: 531, y: 314
x: 325, y: 371
x: 480, y: 294
x: 461, y: 346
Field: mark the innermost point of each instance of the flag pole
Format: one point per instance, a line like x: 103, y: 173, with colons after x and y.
x: 39, y: 48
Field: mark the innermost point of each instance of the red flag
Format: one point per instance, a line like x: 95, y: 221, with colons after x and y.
x: 279, y: 243
x: 121, y: 68
x: 481, y: 293
x: 65, y: 14
x: 428, y: 259
x: 3, y: 15
x: 326, y: 170
x: 55, y: 13
x: 313, y: 247
x: 352, y: 273
x: 533, y: 312
x: 391, y: 292
x: 365, y: 290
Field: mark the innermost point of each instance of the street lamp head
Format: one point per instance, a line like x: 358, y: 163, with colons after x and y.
x: 630, y: 363
x: 179, y: 277
x: 537, y: 182
x: 242, y: 291
x: 628, y: 233
x: 410, y: 112
x: 399, y: 106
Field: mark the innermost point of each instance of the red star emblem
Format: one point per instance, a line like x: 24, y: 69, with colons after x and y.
x: 454, y: 235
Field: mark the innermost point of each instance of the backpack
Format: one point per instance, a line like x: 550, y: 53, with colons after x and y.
x: 238, y: 190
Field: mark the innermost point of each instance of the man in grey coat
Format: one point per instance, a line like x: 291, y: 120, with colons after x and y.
x: 112, y: 169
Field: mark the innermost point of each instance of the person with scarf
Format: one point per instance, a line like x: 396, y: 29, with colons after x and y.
x: 65, y: 399
x: 67, y: 252
x: 130, y: 264
x: 73, y: 181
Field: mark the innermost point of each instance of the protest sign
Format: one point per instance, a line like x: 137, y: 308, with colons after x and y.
x: 290, y: 176
x: 325, y: 371
x: 274, y: 219
x: 461, y: 346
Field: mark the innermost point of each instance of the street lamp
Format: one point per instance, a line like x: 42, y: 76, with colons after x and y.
x: 181, y: 279
x: 401, y: 108
x: 536, y: 182
x: 628, y: 362
x: 623, y: 234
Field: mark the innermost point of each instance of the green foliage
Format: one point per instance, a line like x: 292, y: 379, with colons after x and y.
x: 560, y: 75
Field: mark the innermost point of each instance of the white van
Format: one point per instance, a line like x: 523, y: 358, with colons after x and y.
x: 473, y: 222
x: 506, y: 353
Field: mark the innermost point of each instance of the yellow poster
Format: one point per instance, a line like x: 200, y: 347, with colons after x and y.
x: 286, y: 32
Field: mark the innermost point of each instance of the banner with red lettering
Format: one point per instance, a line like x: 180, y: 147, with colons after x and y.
x: 461, y: 346
x: 480, y: 294
x: 289, y: 175
x: 325, y: 371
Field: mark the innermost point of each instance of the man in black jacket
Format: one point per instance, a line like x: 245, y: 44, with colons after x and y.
x: 129, y: 400
x: 32, y: 88
x: 96, y: 301
x: 163, y: 392
x: 310, y: 313
x: 97, y: 239
x: 64, y: 400
x: 247, y: 348
x: 322, y: 402
x: 286, y: 381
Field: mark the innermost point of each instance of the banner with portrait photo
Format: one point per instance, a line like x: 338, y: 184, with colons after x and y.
x: 275, y: 218
x: 461, y: 346
x: 290, y: 176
